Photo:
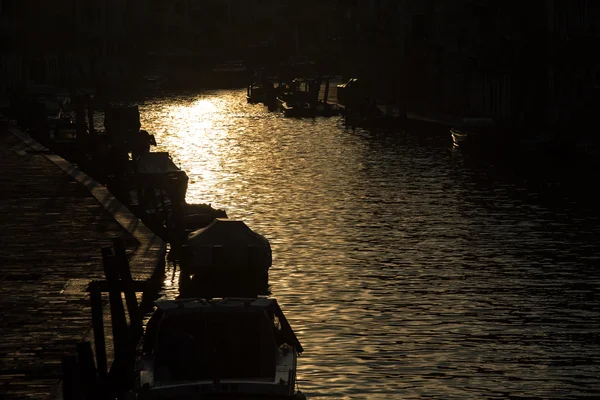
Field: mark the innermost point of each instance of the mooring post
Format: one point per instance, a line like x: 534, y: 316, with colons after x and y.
x: 124, y: 271
x: 176, y: 188
x: 79, y: 118
x: 90, y: 110
x: 185, y: 258
x: 185, y: 265
x: 164, y: 208
x: 87, y: 369
x: 117, y: 310
x: 98, y: 326
x: 70, y: 378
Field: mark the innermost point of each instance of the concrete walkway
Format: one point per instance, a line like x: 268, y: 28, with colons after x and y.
x: 55, y: 220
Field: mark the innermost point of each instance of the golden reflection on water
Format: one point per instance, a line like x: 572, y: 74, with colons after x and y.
x: 401, y: 277
x: 194, y: 132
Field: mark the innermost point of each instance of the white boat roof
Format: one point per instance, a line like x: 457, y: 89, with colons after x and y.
x: 226, y: 302
x: 226, y: 232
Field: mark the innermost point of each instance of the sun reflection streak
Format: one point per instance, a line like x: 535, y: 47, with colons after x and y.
x: 203, y: 106
x: 195, y: 133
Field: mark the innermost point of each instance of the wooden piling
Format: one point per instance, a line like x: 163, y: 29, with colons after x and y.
x: 185, y: 258
x: 117, y: 310
x: 135, y: 317
x: 87, y: 369
x: 185, y: 266
x: 79, y: 118
x: 98, y: 326
x: 70, y: 378
x: 90, y: 110
x: 164, y: 208
x: 176, y: 188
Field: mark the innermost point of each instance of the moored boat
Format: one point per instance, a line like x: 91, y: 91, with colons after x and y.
x: 227, y: 348
x: 63, y: 131
x: 297, y: 109
x: 347, y: 90
x: 255, y: 93
x: 475, y: 132
x: 300, y: 98
x: 226, y: 258
x: 458, y: 137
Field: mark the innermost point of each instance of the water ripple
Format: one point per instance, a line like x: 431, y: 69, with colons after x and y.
x: 408, y: 271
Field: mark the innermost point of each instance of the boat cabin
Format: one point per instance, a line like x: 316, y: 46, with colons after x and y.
x: 228, y: 346
x: 226, y: 258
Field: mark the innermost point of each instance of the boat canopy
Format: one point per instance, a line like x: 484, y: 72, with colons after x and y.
x: 217, y: 343
x: 230, y: 244
x: 226, y: 338
x: 232, y: 306
x: 156, y: 163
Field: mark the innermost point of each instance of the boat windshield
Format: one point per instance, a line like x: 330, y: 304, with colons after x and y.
x: 215, y: 345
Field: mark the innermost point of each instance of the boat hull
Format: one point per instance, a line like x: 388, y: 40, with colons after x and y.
x: 482, y: 141
x: 459, y: 139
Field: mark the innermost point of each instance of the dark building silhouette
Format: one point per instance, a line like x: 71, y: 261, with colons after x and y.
x: 524, y: 64
x: 192, y: 34
x: 111, y: 43
x: 68, y: 43
x: 573, y: 68
x: 200, y: 33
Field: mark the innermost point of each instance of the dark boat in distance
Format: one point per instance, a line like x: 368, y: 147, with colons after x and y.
x: 300, y: 99
x: 255, y: 93
x: 227, y: 348
x: 347, y: 90
x: 475, y: 132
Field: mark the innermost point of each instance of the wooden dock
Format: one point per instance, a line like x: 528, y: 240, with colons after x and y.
x: 55, y: 220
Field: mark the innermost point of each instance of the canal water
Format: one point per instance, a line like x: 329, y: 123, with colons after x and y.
x: 408, y: 270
